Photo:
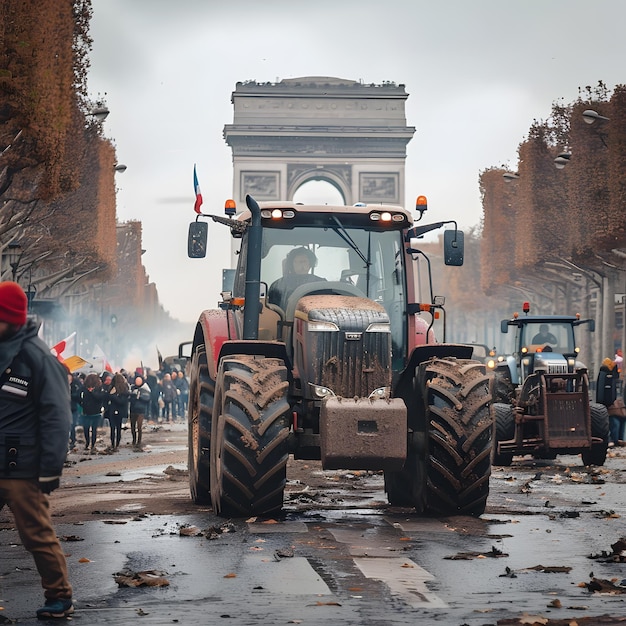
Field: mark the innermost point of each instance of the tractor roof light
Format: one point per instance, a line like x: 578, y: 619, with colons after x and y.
x: 277, y: 214
x: 230, y: 207
x: 526, y: 307
x: 387, y: 216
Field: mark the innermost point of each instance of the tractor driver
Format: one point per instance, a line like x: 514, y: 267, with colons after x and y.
x: 544, y: 335
x: 297, y: 265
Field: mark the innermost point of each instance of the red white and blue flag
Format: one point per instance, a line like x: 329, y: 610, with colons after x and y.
x: 196, y: 187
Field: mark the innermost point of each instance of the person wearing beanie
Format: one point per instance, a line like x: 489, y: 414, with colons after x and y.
x: 34, y: 399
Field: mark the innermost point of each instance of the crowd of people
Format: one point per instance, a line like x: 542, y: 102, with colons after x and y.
x: 120, y: 400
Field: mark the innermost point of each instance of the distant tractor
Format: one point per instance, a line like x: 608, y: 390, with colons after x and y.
x: 542, y: 404
x: 323, y: 349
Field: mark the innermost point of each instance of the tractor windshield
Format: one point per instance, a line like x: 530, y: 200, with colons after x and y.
x: 558, y: 336
x: 371, y: 261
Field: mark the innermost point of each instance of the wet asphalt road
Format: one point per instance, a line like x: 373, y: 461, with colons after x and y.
x: 341, y: 556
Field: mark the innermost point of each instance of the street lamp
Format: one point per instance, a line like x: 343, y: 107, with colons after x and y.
x: 562, y: 160
x: 590, y: 116
x: 510, y: 177
x: 121, y: 168
x: 14, y: 255
x: 100, y: 113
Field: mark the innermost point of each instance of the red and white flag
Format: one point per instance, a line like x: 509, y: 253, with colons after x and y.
x: 196, y: 188
x: 65, y: 348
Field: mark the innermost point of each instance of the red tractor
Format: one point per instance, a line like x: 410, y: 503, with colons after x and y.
x: 323, y: 349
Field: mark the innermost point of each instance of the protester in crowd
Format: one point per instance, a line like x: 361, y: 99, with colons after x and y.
x: 76, y: 388
x: 153, y: 382
x: 107, y: 383
x: 34, y: 399
x: 92, y: 401
x: 182, y: 385
x: 139, y: 406
x: 119, y: 399
x: 169, y: 393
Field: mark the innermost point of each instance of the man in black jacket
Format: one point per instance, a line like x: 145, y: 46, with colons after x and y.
x: 35, y: 418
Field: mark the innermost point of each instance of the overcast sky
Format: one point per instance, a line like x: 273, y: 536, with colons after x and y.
x: 477, y: 72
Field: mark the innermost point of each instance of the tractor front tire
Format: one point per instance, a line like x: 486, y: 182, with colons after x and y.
x: 459, y: 438
x: 504, y: 429
x: 250, y: 448
x: 596, y: 455
x: 201, y: 394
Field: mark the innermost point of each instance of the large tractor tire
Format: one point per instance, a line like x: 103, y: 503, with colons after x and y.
x: 503, y: 388
x: 199, y: 412
x: 504, y: 429
x: 596, y: 455
x: 250, y: 436
x: 448, y: 467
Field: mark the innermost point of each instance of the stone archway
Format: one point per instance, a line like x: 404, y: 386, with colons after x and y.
x: 347, y: 133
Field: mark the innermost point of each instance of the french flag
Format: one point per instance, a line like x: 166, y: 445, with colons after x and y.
x: 196, y: 187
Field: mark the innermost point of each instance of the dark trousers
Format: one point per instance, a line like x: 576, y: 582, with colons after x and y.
x: 115, y: 422
x: 90, y: 426
x: 73, y: 425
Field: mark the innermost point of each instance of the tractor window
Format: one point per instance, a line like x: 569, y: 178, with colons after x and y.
x: 374, y: 265
x: 558, y: 336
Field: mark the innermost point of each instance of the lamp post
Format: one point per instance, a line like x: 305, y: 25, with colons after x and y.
x: 590, y: 116
x: 14, y: 255
x: 562, y: 160
x: 100, y: 113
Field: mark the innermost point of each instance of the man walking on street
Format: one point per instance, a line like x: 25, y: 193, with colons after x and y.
x: 139, y: 407
x: 35, y: 418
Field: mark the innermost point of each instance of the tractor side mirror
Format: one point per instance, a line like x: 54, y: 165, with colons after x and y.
x: 197, y: 240
x: 453, y: 247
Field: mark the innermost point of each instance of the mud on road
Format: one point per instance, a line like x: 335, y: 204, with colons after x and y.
x: 338, y: 554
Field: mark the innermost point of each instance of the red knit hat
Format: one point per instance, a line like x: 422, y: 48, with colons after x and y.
x: 13, y: 303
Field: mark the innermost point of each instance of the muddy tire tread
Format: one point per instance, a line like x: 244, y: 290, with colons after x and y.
x: 459, y: 437
x: 596, y: 455
x: 249, y: 458
x: 199, y: 414
x: 504, y: 429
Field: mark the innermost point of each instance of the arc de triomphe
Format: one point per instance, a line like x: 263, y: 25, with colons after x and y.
x: 347, y: 133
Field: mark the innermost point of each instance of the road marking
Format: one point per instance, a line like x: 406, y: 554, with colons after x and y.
x: 292, y: 576
x: 405, y: 579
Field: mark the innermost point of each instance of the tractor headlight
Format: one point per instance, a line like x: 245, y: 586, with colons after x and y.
x: 322, y: 392
x: 318, y: 327
x: 378, y: 327
x: 381, y: 392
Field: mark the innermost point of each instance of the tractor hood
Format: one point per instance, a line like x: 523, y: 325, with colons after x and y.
x: 344, y: 344
x: 550, y: 363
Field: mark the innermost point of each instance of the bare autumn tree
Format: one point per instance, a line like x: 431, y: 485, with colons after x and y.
x: 499, y: 226
x: 57, y: 191
x: 576, y: 213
